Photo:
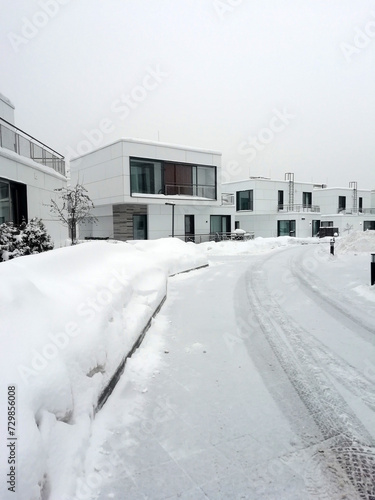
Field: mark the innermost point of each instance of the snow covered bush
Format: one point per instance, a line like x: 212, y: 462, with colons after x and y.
x: 26, y: 239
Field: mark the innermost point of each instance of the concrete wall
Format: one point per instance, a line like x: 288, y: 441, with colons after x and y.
x: 41, y: 182
x: 328, y: 199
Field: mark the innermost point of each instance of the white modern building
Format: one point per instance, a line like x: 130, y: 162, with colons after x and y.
x: 148, y: 190
x: 30, y: 171
x: 277, y: 208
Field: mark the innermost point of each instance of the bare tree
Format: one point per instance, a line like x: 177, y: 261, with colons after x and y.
x: 75, y: 207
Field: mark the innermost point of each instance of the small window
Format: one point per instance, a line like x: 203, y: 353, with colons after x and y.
x: 307, y: 199
x: 360, y: 204
x: 280, y: 200
x: 244, y: 200
x: 327, y: 223
x: 342, y: 203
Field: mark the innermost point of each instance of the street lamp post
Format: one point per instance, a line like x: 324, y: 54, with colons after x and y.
x: 172, y: 205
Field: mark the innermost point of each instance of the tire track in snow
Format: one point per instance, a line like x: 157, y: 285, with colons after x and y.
x: 319, y: 290
x: 354, y: 446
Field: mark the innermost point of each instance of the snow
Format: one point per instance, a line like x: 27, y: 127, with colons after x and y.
x: 254, y: 373
x: 68, y: 318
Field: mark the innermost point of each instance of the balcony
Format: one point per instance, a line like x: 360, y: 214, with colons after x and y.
x: 197, y: 190
x: 359, y: 211
x: 14, y: 139
x: 298, y: 208
x: 227, y: 199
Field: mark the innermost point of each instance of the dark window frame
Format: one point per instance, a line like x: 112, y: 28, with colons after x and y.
x: 194, y: 188
x: 250, y: 200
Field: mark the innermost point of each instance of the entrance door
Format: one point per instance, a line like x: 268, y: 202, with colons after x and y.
x: 140, y: 227
x: 220, y: 224
x: 286, y: 228
x: 189, y: 228
x: 315, y: 227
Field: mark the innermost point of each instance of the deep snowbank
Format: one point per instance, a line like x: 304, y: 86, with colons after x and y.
x: 357, y: 241
x: 67, y: 319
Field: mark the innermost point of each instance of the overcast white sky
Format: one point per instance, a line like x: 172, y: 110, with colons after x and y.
x: 226, y: 70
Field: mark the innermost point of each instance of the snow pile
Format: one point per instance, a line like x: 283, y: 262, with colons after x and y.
x: 357, y: 241
x: 173, y: 254
x: 256, y: 246
x: 68, y: 317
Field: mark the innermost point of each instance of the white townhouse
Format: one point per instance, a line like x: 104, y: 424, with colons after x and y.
x: 30, y: 171
x: 288, y: 208
x: 149, y: 190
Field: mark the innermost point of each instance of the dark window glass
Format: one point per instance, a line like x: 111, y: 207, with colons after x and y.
x: 280, y: 199
x: 307, y: 199
x: 140, y: 227
x: 146, y: 176
x: 360, y: 204
x: 369, y: 225
x: 220, y: 224
x: 286, y: 228
x: 342, y: 203
x: 244, y: 200
x: 13, y: 202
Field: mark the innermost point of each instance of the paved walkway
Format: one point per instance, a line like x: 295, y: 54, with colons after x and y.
x: 205, y: 408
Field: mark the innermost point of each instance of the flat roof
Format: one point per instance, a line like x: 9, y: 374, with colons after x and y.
x: 150, y: 143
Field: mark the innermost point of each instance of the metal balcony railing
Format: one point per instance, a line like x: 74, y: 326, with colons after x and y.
x: 15, y: 139
x: 204, y: 238
x: 199, y: 190
x: 227, y: 199
x: 298, y: 208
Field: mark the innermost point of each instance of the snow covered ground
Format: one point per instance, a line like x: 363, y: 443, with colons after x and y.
x: 254, y: 381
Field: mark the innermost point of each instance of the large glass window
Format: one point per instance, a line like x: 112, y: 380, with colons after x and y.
x: 206, y: 182
x: 286, y: 228
x: 369, y: 225
x: 140, y: 227
x: 220, y: 224
x: 244, y: 200
x: 146, y: 176
x: 13, y: 202
x: 170, y: 178
x: 4, y: 202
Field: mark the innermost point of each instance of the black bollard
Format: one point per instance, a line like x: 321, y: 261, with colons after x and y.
x: 332, y: 246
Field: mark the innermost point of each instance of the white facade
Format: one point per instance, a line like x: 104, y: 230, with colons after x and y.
x: 27, y: 186
x: 300, y: 209
x: 194, y: 191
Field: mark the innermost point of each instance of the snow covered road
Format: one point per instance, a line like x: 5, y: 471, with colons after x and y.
x: 255, y: 381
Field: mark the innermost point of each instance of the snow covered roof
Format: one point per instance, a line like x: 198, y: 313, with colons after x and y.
x: 151, y: 143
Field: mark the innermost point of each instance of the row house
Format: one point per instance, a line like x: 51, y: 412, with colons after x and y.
x: 268, y: 207
x: 149, y: 190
